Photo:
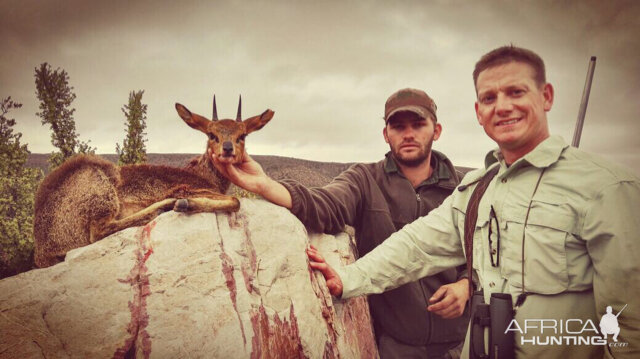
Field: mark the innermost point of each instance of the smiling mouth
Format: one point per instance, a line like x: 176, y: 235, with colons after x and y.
x: 509, y: 122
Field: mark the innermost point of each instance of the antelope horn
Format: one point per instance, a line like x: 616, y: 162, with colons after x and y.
x: 215, y: 110
x: 239, y: 116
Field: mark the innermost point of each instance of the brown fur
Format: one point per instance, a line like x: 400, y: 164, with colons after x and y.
x: 88, y: 198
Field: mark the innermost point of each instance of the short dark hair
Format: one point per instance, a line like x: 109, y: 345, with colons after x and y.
x: 506, y: 54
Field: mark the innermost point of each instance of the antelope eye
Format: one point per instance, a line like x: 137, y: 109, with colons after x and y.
x: 241, y: 138
x: 213, y: 137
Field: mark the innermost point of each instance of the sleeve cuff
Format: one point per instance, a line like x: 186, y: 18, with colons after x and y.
x: 353, y: 283
x: 296, y: 203
x: 463, y: 274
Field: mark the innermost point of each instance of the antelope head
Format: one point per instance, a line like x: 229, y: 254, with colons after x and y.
x: 226, y: 137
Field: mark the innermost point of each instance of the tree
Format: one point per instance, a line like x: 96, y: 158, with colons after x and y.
x: 56, y: 96
x: 17, y: 191
x: 133, y: 149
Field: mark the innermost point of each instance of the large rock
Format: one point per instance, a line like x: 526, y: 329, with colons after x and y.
x: 199, y: 286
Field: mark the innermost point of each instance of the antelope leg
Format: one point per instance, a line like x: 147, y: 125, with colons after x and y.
x: 137, y: 219
x: 200, y: 204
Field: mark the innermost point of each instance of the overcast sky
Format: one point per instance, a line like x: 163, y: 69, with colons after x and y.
x: 324, y: 67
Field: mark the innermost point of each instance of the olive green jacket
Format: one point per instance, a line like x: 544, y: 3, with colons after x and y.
x: 377, y: 200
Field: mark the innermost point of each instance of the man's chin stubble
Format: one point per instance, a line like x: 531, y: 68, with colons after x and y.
x: 415, y: 162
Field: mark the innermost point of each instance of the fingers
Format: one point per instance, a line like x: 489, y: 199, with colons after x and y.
x: 321, y: 266
x: 317, y: 262
x: 442, y: 304
x: 438, y: 295
x: 314, y: 255
x: 450, y: 312
x: 221, y: 167
x: 246, y: 157
x: 226, y: 169
x: 447, y: 309
x: 447, y: 302
x: 234, y: 175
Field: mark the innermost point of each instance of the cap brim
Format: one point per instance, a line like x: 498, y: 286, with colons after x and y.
x: 415, y: 109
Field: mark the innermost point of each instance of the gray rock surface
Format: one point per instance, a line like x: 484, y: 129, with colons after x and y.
x: 198, y: 286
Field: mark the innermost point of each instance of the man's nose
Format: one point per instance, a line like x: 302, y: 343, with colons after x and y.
x: 504, y: 105
x: 408, y: 133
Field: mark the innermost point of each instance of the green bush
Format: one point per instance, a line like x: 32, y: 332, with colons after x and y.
x: 133, y: 150
x: 55, y: 96
x: 18, y: 185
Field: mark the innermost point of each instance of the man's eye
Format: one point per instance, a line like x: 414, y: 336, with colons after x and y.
x: 517, y: 92
x: 213, y: 137
x: 241, y: 138
x: 487, y: 99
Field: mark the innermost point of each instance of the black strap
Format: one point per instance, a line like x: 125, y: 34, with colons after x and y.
x: 471, y: 217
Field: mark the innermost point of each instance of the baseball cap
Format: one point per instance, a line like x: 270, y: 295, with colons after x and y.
x: 413, y: 100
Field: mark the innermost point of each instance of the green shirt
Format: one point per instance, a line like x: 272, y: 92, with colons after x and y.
x: 581, y: 234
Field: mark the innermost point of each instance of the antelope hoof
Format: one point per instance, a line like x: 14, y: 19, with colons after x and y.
x: 182, y: 205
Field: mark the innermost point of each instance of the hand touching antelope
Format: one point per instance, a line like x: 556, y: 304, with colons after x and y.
x: 88, y: 198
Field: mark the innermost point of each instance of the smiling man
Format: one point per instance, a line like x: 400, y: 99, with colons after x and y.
x: 556, y: 228
x: 511, y: 108
x: 422, y: 319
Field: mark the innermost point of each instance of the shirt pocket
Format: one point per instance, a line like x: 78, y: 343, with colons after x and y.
x: 550, y: 223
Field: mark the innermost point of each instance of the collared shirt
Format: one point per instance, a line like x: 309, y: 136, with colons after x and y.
x: 581, y: 234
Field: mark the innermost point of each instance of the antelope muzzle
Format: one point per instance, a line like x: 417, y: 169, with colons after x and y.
x: 227, y: 149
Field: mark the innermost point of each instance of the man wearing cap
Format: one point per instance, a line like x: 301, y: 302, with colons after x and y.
x: 423, y: 319
x: 549, y: 226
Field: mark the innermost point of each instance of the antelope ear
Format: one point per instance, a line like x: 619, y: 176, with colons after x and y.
x: 194, y: 120
x: 257, y: 122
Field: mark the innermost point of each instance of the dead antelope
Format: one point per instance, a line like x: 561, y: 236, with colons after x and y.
x: 88, y: 198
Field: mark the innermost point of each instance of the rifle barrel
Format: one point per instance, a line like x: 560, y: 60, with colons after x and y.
x: 621, y: 310
x: 585, y: 101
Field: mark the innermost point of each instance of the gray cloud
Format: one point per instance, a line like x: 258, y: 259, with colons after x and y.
x: 326, y: 68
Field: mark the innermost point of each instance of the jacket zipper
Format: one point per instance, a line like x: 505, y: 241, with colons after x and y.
x: 429, y: 335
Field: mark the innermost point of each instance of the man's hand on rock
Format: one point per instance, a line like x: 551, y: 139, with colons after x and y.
x: 450, y: 299
x: 316, y: 261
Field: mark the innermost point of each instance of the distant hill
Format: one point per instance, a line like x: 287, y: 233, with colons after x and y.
x: 309, y: 173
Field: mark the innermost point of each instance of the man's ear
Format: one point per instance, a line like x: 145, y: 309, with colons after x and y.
x: 478, y: 114
x: 257, y: 122
x: 194, y: 120
x: 437, y: 131
x: 547, y: 93
x: 384, y: 134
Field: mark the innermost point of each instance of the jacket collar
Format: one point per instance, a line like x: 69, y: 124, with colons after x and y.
x: 544, y: 155
x: 443, y: 173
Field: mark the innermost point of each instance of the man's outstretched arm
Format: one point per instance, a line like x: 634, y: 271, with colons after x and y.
x: 327, y: 209
x: 448, y: 301
x: 427, y: 246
